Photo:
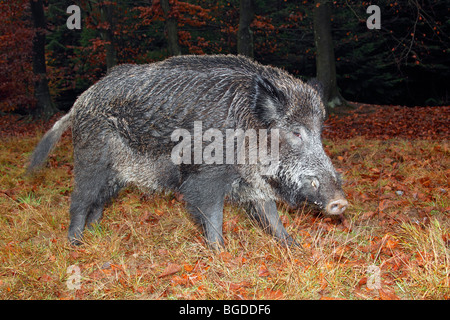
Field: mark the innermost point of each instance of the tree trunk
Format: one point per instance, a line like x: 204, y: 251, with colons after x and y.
x: 325, y: 61
x: 171, y: 28
x: 107, y: 13
x: 44, y: 104
x: 245, y: 34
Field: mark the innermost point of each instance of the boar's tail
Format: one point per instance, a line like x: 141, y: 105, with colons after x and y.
x: 48, y: 142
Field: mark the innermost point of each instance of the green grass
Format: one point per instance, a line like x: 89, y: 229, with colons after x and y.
x: 141, y: 237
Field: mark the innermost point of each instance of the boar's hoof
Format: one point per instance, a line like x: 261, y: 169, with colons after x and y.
x: 337, y: 206
x: 288, y: 242
x: 75, y: 242
x: 216, y: 247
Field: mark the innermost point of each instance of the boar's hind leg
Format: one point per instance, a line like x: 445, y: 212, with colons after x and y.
x: 266, y: 215
x: 94, y: 187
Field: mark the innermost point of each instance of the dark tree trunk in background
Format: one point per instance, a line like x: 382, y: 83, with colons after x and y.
x: 325, y: 61
x: 44, y: 104
x: 107, y: 34
x: 171, y: 28
x: 245, y: 35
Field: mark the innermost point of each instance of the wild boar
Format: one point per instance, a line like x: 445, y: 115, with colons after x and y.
x: 127, y: 128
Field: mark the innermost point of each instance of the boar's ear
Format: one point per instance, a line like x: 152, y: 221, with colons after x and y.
x: 316, y: 84
x: 268, y: 102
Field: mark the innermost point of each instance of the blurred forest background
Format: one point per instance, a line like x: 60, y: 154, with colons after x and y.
x: 44, y: 65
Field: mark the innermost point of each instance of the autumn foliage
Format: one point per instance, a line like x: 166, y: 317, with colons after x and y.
x: 16, y: 76
x: 406, y: 62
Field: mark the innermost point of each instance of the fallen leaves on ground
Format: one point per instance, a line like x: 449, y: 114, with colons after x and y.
x: 392, y: 242
x: 386, y: 122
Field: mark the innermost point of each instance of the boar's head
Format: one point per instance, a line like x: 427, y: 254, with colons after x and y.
x: 304, y: 172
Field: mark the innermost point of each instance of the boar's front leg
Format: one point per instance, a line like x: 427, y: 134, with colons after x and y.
x: 204, y: 194
x: 210, y: 217
x: 266, y: 215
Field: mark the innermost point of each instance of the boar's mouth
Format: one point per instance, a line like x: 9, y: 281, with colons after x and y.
x: 334, y: 207
x: 288, y: 194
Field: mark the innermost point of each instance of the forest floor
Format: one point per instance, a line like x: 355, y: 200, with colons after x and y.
x: 394, y: 242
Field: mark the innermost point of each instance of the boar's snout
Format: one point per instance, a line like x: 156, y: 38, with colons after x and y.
x: 336, y: 206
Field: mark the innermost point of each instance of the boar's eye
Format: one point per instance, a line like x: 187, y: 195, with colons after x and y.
x: 297, y: 134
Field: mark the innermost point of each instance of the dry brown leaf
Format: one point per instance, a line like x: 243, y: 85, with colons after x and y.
x: 188, y: 267
x: 263, y: 271
x: 387, y: 295
x: 45, y: 278
x: 225, y: 256
x: 170, y: 269
x: 272, y: 294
